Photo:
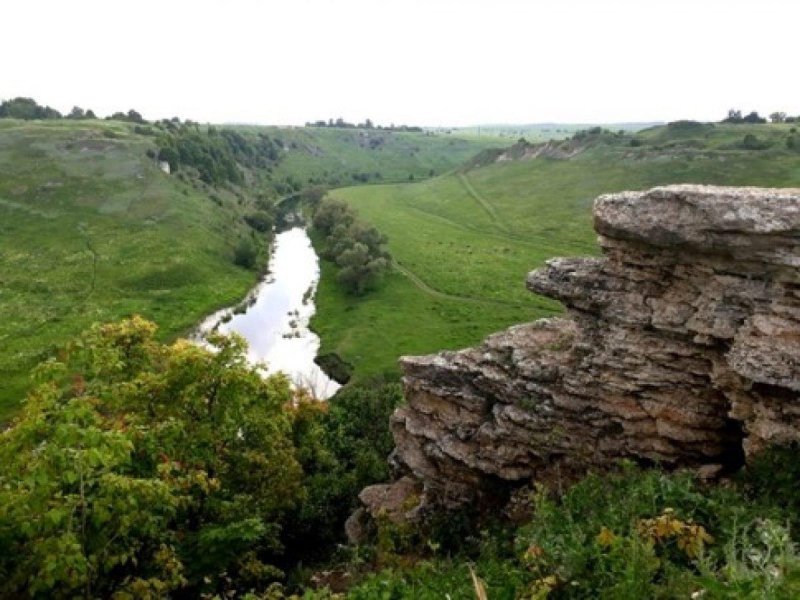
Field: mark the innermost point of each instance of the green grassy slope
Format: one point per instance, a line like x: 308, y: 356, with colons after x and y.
x: 340, y: 156
x: 465, y: 242
x: 91, y: 230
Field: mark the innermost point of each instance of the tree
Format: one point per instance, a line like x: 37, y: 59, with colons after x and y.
x: 143, y: 470
x: 27, y: 108
x: 373, y: 239
x: 135, y: 117
x: 753, y: 117
x: 360, y: 271
x: 330, y: 213
x: 313, y: 195
x: 734, y: 116
x: 76, y: 113
x: 358, y: 249
x: 261, y: 221
x: 778, y: 117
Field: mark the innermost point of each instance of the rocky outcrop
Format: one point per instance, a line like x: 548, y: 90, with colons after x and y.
x: 681, y: 347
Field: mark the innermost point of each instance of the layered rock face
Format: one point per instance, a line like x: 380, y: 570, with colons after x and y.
x: 681, y: 347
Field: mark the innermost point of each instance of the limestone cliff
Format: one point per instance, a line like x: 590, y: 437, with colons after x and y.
x: 681, y: 346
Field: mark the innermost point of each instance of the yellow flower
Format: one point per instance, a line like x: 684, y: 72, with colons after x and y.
x: 606, y: 537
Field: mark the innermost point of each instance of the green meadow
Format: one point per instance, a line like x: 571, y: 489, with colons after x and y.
x: 91, y: 230
x: 464, y: 242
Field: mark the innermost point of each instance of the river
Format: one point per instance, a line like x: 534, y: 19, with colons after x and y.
x: 275, y: 321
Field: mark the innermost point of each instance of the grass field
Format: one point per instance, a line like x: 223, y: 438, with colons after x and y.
x: 91, y: 230
x: 464, y: 242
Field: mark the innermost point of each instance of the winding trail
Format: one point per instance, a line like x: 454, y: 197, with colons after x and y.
x: 536, y: 240
x: 419, y: 283
x: 485, y: 204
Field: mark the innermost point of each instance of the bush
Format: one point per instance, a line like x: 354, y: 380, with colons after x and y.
x: 143, y: 470
x: 245, y: 254
x: 335, y: 367
x: 261, y: 221
x: 751, y: 142
x: 630, y: 534
x: 343, y: 448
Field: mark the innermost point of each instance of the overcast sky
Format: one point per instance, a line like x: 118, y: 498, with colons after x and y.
x: 431, y: 62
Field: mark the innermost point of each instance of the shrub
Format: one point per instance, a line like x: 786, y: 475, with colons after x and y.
x: 245, y: 254
x: 261, y: 221
x: 144, y: 470
x: 751, y: 142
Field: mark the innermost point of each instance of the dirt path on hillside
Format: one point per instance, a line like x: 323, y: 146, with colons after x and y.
x: 419, y: 283
x: 482, y: 201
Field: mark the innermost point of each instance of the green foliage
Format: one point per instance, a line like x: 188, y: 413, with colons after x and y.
x: 630, y: 534
x: 262, y: 221
x: 357, y: 249
x: 342, y: 124
x: 213, y: 156
x: 336, y: 368
x: 751, y: 142
x: 122, y: 238
x: 343, y: 448
x: 312, y: 196
x: 735, y: 117
x: 771, y: 480
x: 140, y: 469
x: 360, y: 270
x: 26, y: 108
x: 245, y: 254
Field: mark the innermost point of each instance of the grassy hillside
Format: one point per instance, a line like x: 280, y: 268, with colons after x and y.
x: 92, y: 230
x: 340, y: 157
x: 464, y: 242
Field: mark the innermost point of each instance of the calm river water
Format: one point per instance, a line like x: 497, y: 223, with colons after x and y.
x: 275, y: 324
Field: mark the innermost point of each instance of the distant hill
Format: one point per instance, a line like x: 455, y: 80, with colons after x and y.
x: 535, y: 132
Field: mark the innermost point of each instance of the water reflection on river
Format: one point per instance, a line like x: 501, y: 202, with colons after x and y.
x: 275, y: 324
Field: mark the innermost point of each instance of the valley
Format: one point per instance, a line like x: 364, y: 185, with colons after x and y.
x: 464, y: 242
x: 92, y: 229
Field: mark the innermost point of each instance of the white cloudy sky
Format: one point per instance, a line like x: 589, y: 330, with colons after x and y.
x: 431, y: 62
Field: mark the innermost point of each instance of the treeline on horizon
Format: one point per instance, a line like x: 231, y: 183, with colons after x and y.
x: 367, y: 124
x: 29, y: 109
x: 735, y: 117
